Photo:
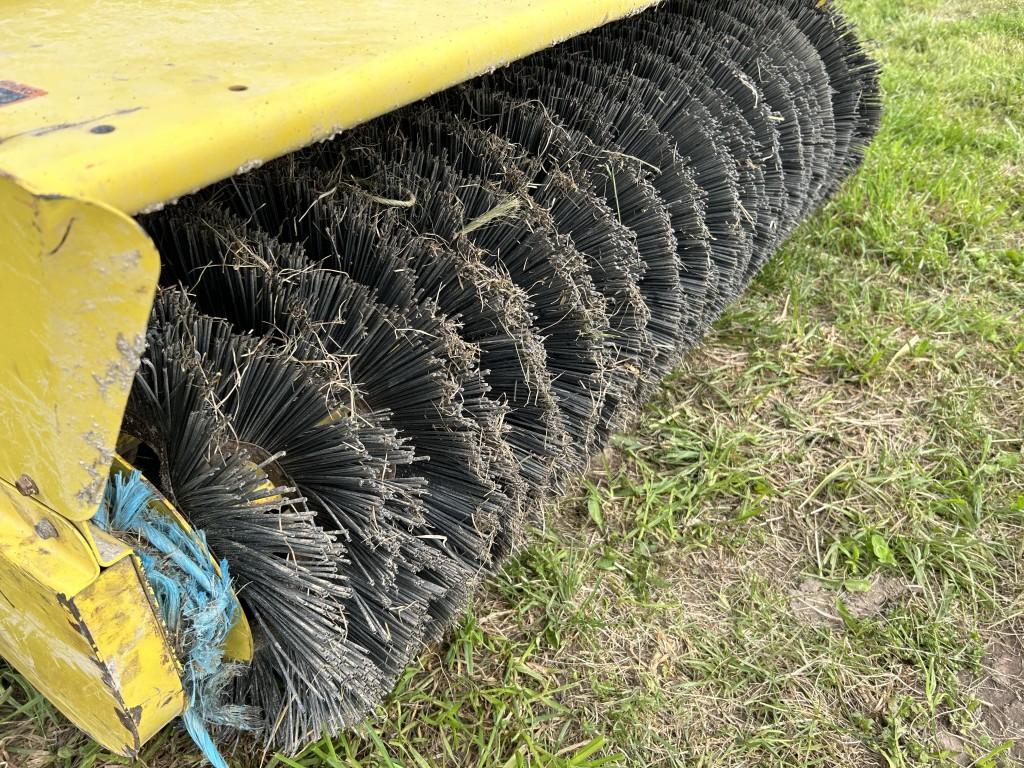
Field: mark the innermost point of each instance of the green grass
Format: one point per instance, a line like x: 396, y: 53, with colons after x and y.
x: 810, y: 551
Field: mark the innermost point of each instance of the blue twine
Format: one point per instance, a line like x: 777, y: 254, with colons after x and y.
x: 197, y: 604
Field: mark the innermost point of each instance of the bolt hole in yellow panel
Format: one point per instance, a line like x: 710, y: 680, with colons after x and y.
x: 108, y: 109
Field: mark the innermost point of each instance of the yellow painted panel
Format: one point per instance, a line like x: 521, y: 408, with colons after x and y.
x: 76, y: 286
x: 39, y: 640
x: 44, y: 544
x: 130, y: 644
x: 87, y: 639
x: 143, y: 100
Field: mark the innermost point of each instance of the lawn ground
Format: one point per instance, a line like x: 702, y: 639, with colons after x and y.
x: 811, y: 550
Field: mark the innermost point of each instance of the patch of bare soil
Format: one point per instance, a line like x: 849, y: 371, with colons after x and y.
x: 1001, y: 691
x: 814, y: 603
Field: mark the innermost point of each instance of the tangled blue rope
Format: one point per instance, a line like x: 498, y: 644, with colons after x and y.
x: 197, y: 604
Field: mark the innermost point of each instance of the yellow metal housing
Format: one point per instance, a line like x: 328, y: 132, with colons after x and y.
x: 87, y: 638
x: 107, y: 110
x: 76, y: 285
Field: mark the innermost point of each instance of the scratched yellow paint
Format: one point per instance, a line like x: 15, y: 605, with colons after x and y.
x: 76, y: 286
x: 129, y: 643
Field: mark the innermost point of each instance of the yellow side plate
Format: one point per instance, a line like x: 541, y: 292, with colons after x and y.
x: 87, y: 638
x: 76, y: 286
x: 136, y: 103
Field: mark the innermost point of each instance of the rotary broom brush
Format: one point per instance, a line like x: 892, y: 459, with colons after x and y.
x: 335, y: 323
x: 851, y: 76
x: 490, y: 312
x: 763, y: 18
x: 279, y: 418
x: 397, y: 343
x: 572, y: 94
x: 569, y: 311
x: 718, y: 80
x: 512, y: 239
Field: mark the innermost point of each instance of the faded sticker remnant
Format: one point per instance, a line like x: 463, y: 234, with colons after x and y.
x: 12, y: 92
x: 108, y: 548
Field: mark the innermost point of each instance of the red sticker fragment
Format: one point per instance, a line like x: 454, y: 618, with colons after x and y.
x: 11, y: 92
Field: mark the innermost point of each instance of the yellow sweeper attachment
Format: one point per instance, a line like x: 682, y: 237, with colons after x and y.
x: 107, y: 110
x: 272, y: 401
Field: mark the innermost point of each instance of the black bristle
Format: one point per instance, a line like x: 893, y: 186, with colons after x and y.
x: 493, y: 313
x: 613, y: 177
x: 328, y: 321
x: 866, y: 72
x: 511, y: 237
x: 591, y: 226
x: 240, y: 272
x: 342, y: 230
x: 812, y: 68
x: 591, y: 110
x: 675, y: 104
x: 853, y: 77
x: 717, y: 77
x: 286, y: 565
x: 336, y: 324
x: 688, y: 168
x: 766, y: 28
x: 576, y: 212
x: 706, y: 44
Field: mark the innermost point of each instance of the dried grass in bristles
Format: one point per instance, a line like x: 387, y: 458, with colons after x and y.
x: 484, y: 307
x: 579, y: 217
x: 566, y: 309
x: 287, y: 562
x: 719, y: 82
x: 616, y: 179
